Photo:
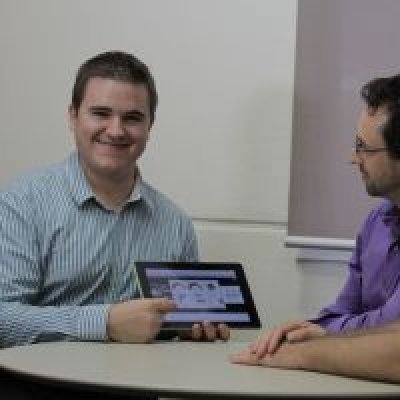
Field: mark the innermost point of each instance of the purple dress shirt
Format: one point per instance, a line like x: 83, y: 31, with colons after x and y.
x: 371, y: 294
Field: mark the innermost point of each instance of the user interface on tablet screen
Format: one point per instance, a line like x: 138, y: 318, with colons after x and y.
x: 215, y: 292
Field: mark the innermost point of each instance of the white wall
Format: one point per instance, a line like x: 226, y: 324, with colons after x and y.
x: 221, y: 143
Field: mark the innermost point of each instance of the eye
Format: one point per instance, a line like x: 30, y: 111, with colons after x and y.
x: 100, y: 113
x: 360, y: 145
x: 133, y: 118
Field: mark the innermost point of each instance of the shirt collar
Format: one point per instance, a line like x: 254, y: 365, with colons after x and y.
x: 82, y: 192
x: 391, y: 218
x: 78, y: 184
x: 389, y: 211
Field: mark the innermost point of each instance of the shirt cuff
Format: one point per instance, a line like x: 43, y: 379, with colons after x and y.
x: 92, y: 322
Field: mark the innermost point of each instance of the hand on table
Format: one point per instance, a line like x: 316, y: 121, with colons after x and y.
x: 137, y: 321
x: 294, y: 331
x: 287, y: 356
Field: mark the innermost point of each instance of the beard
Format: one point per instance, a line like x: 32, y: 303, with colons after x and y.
x: 381, y: 189
x: 375, y: 190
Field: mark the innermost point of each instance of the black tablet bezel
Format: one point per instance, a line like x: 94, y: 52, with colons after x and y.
x: 145, y: 291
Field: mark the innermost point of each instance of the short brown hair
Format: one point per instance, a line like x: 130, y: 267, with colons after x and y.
x: 385, y: 92
x: 116, y: 65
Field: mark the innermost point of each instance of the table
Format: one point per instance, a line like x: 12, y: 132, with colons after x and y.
x: 175, y: 369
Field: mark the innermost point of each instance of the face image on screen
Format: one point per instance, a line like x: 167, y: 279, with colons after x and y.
x: 199, y: 294
x: 217, y: 293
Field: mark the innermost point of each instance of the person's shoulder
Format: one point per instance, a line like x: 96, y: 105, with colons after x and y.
x: 161, y: 201
x: 374, y: 224
x: 40, y: 180
x: 377, y: 213
x: 381, y: 209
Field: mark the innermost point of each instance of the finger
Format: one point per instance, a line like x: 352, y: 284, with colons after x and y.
x: 276, y: 339
x: 260, y: 345
x: 243, y: 357
x: 162, y: 305
x: 210, y: 332
x: 197, y: 332
x: 304, y: 334
x: 298, y: 335
x: 262, y: 349
x: 279, y: 334
x: 270, y: 341
x: 223, y: 332
x: 252, y: 347
x: 290, y: 326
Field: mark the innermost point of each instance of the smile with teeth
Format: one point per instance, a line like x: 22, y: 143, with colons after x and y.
x: 113, y: 143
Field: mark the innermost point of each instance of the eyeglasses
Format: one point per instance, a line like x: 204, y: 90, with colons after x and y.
x: 361, y: 148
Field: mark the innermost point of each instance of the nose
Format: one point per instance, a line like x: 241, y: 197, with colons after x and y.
x: 115, y: 126
x: 355, y: 158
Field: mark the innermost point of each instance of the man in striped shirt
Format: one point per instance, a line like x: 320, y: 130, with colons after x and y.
x: 70, y: 233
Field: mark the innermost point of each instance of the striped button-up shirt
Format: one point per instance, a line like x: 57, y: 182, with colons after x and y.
x: 64, y: 258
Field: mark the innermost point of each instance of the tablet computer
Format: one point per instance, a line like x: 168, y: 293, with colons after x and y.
x: 215, y: 292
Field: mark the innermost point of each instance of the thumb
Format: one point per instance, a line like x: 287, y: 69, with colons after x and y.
x: 299, y: 335
x: 163, y: 305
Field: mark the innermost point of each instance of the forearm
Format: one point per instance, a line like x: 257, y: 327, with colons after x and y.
x: 369, y: 320
x: 372, y: 356
x: 383, y: 328
x: 24, y: 324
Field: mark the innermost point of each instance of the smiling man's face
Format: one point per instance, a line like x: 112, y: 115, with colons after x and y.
x: 111, y: 128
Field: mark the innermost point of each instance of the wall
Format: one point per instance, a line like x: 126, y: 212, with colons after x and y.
x: 339, y: 49
x: 221, y: 143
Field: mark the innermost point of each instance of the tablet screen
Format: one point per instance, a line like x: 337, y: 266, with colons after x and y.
x: 215, y: 292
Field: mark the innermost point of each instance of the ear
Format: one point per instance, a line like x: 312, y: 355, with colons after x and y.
x: 151, y: 124
x: 72, y: 115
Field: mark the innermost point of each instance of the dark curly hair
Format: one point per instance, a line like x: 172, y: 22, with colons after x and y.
x: 119, y: 66
x: 385, y: 92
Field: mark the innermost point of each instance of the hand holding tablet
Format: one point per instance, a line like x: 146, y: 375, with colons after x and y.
x: 214, y: 292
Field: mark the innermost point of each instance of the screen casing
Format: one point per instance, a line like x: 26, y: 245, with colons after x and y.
x: 214, y: 292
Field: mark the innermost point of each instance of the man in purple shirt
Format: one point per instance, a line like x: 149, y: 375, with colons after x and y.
x: 371, y: 294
